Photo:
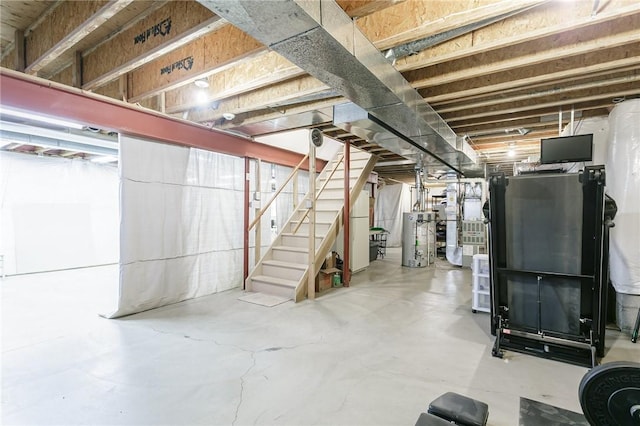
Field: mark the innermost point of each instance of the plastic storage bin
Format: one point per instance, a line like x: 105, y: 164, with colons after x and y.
x: 481, y: 300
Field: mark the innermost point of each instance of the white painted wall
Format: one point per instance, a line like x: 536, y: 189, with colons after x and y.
x: 56, y: 213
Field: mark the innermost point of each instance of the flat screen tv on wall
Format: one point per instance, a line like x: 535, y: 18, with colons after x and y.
x: 566, y: 149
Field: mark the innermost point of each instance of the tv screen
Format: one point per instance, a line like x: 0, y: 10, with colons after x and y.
x: 566, y: 149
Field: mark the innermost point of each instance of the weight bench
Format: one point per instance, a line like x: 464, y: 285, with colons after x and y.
x: 454, y: 408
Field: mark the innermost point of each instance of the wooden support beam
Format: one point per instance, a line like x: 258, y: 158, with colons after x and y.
x: 565, y: 70
x: 76, y: 70
x: 261, y: 71
x: 264, y: 97
x: 217, y: 50
x: 358, y: 8
x: 505, y: 119
x: 253, y: 66
x: 415, y: 20
x: 19, y: 53
x: 552, y: 19
x: 587, y: 95
x: 170, y: 27
x: 51, y: 39
x: 528, y: 123
x: 123, y: 88
x: 182, y: 99
x: 573, y: 43
x: 567, y: 91
x: 64, y: 77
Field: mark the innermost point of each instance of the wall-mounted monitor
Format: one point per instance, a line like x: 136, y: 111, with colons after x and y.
x: 566, y: 149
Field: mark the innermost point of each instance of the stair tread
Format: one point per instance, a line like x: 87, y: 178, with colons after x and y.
x: 289, y: 234
x: 291, y: 248
x: 318, y: 222
x: 277, y: 281
x: 284, y: 264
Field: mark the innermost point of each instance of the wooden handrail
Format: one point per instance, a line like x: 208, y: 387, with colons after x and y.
x: 304, y: 216
x: 264, y: 209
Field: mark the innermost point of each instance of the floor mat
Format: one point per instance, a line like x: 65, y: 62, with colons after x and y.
x: 535, y: 413
x: 263, y: 299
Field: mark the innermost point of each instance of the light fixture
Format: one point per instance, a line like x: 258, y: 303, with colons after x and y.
x: 105, y: 159
x: 202, y: 97
x: 511, y: 153
x: 10, y: 112
x: 228, y: 116
x: 202, y: 83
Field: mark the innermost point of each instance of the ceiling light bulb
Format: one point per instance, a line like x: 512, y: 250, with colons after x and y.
x: 202, y: 97
x: 511, y: 153
x: 202, y: 83
x: 229, y: 116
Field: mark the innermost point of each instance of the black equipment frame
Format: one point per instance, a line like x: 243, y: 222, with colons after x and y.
x: 580, y: 347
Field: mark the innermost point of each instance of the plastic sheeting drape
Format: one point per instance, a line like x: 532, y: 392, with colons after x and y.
x: 181, y: 230
x: 56, y: 213
x: 392, y: 201
x: 623, y: 185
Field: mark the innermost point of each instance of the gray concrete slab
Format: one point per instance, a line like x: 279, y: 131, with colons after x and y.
x: 373, y: 354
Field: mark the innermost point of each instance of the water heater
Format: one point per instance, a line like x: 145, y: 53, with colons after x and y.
x: 418, y: 239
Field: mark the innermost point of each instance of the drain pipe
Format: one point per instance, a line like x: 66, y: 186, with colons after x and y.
x: 418, y: 206
x: 454, y: 251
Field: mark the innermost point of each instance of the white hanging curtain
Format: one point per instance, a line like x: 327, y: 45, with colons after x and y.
x: 181, y: 226
x: 392, y: 201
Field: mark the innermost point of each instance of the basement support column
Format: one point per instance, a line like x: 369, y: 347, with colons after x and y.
x: 346, y: 272
x: 247, y: 168
x: 311, y: 279
x: 256, y: 210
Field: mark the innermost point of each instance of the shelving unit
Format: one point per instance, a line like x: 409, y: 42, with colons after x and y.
x: 481, y: 300
x: 440, y: 228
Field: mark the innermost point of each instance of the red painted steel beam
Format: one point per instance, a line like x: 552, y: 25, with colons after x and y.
x: 34, y: 94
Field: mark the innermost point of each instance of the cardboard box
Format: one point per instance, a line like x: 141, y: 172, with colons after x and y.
x: 324, y: 279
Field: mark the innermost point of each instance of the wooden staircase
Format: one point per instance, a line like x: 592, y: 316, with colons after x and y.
x: 284, y: 268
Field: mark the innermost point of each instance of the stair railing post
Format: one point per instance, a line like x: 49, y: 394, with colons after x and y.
x: 311, y: 282
x: 346, y: 273
x: 295, y: 190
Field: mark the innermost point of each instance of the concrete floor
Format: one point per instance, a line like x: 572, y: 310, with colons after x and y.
x: 374, y: 354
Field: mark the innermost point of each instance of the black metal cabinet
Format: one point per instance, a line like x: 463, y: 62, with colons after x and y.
x: 548, y: 263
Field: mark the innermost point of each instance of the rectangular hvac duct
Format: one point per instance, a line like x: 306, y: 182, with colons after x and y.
x: 321, y: 39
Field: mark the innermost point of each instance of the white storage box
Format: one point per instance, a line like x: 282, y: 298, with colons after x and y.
x: 481, y: 300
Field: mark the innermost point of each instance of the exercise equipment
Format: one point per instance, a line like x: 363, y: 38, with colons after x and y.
x: 634, y: 333
x: 549, y: 262
x: 460, y: 409
x: 610, y: 394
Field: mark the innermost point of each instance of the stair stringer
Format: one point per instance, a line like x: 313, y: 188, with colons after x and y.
x: 324, y: 242
x: 330, y: 239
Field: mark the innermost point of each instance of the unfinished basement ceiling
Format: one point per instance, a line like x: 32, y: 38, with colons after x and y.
x: 501, y: 74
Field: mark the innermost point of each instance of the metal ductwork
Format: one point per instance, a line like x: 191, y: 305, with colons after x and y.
x: 385, y: 109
